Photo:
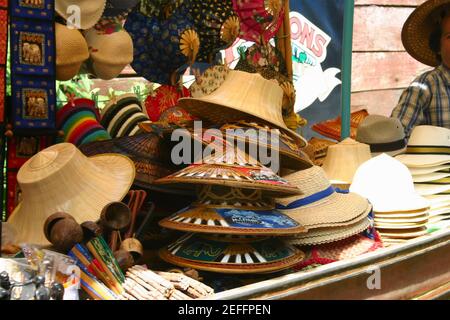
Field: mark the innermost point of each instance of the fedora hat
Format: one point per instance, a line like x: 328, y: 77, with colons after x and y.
x: 227, y: 210
x: 232, y: 168
x: 90, y: 11
x: 320, y: 205
x: 122, y: 114
x: 71, y: 52
x: 388, y: 185
x: 261, y: 255
x: 242, y: 96
x: 61, y: 179
x: 343, y: 159
x: 110, y: 52
x: 427, y: 146
x: 79, y: 120
x: 382, y: 134
x: 417, y: 29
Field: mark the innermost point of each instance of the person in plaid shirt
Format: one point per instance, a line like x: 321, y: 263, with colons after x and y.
x: 426, y: 37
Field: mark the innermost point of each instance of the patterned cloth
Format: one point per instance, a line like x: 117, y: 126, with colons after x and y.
x: 425, y: 101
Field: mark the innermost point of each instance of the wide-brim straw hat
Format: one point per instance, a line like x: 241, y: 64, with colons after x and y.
x: 427, y: 170
x: 388, y: 185
x: 343, y: 159
x: 90, y: 11
x: 242, y: 96
x: 429, y: 189
x: 61, y: 179
x: 331, y: 234
x: 260, y: 256
x: 429, y: 177
x: 417, y: 29
x: 402, y: 234
x: 319, y: 205
x: 232, y: 168
x: 71, y: 52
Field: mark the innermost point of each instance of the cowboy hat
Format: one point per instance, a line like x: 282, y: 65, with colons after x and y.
x: 90, y: 11
x: 61, y: 179
x: 427, y: 146
x: 388, y: 185
x: 320, y: 205
x: 242, y: 96
x: 382, y: 134
x: 418, y: 28
x: 343, y: 159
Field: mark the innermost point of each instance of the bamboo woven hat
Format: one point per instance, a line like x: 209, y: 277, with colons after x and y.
x: 343, y: 159
x: 417, y: 29
x: 428, y: 146
x: 90, y: 11
x: 259, y: 256
x: 223, y: 210
x: 320, y: 205
x: 232, y: 168
x: 61, y: 179
x: 382, y: 134
x: 71, y: 52
x: 388, y: 185
x: 332, y: 234
x: 242, y: 96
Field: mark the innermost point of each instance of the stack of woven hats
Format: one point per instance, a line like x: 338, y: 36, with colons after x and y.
x: 400, y: 213
x: 428, y: 159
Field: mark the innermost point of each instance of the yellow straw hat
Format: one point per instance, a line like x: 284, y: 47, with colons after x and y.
x: 61, y: 178
x: 417, y: 29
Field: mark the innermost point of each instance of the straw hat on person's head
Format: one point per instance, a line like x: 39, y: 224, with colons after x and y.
x: 61, y: 179
x: 71, y: 51
x: 382, y: 134
x: 242, y: 96
x: 428, y: 146
x: 320, y: 205
x: 110, y: 52
x: 418, y: 28
x: 90, y: 11
x: 343, y: 159
x: 388, y: 185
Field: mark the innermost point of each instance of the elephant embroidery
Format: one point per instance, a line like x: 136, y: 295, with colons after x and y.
x: 36, y: 105
x: 27, y: 146
x: 32, y: 51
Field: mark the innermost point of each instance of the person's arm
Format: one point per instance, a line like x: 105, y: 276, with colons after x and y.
x: 412, y: 103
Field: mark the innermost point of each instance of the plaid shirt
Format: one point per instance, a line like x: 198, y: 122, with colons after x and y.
x: 426, y: 101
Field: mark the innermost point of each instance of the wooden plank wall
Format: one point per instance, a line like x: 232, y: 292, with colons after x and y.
x: 381, y: 67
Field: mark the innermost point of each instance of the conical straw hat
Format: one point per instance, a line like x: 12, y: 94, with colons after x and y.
x: 242, y: 96
x: 61, y: 178
x: 90, y: 11
x: 343, y: 159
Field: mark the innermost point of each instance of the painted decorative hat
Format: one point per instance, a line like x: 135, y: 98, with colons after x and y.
x: 122, y: 114
x: 224, y: 210
x: 209, y: 81
x: 148, y: 152
x: 216, y: 24
x: 71, y: 52
x: 259, y: 256
x: 161, y: 48
x: 232, y: 168
x: 110, y: 51
x: 163, y: 98
x: 332, y: 128
x: 260, y: 19
x: 79, y: 119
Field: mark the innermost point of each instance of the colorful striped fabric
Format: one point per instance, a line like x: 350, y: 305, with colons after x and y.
x: 80, y: 122
x: 122, y: 115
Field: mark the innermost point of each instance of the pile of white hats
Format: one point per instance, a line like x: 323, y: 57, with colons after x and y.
x: 428, y: 159
x: 400, y: 213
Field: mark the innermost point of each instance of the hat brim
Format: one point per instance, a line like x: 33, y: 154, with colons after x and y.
x: 424, y: 189
x: 110, y: 182
x: 336, y: 210
x: 427, y: 170
x: 221, y: 113
x: 423, y: 160
x: 404, y: 203
x: 430, y: 176
x: 416, y: 32
x: 403, y: 234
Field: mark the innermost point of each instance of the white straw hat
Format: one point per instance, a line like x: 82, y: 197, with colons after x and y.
x: 90, y: 11
x: 427, y: 146
x: 388, y: 185
x: 61, y: 179
x: 425, y: 189
x: 428, y: 177
x: 426, y: 170
x: 320, y: 205
x: 343, y: 159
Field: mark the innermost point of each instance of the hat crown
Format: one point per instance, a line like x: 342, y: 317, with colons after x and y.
x: 380, y: 129
x: 43, y: 159
x: 429, y: 136
x: 309, y: 181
